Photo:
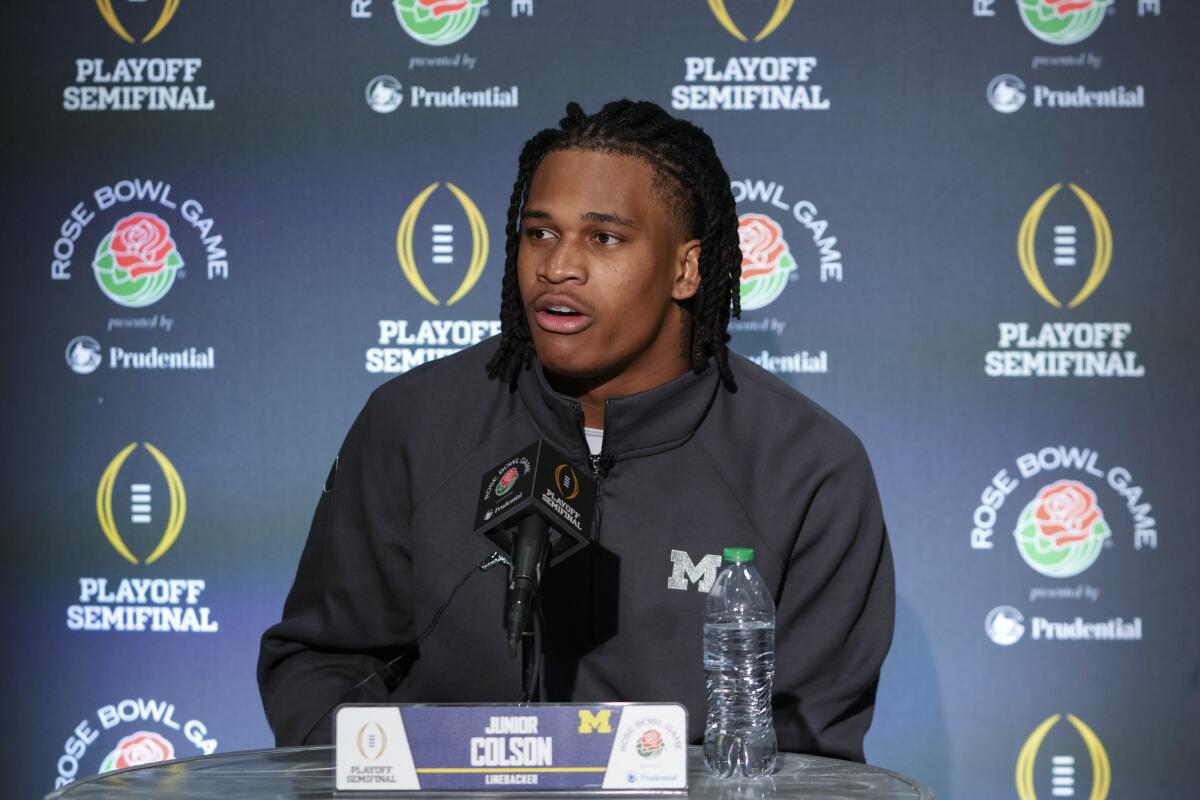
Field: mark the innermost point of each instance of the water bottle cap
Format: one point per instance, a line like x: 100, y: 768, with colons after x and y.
x: 739, y: 555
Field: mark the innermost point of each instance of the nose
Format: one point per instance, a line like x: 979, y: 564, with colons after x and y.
x: 564, y: 263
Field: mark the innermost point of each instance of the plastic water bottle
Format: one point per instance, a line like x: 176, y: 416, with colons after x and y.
x: 739, y: 669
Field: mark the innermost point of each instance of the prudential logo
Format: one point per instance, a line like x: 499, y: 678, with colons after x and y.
x: 1005, y: 625
x: 1006, y: 93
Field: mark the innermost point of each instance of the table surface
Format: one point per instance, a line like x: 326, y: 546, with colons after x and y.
x: 306, y: 773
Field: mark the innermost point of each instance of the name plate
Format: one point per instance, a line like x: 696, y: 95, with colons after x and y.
x: 620, y: 747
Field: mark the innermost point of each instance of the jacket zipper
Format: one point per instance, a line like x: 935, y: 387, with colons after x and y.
x: 600, y: 464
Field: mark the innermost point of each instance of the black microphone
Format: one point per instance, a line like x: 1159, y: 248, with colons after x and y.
x: 537, y: 509
x: 531, y: 545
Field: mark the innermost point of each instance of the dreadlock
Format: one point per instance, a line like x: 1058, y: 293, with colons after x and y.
x: 683, y: 157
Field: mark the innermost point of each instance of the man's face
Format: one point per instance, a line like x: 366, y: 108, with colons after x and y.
x: 602, y: 261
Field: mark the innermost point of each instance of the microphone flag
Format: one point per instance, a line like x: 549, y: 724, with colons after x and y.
x: 539, y: 480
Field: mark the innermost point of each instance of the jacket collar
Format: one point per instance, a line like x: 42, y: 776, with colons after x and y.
x: 640, y: 424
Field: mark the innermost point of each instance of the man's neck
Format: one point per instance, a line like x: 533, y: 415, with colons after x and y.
x: 592, y: 393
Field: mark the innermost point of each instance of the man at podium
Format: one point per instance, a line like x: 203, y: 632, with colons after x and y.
x: 622, y: 267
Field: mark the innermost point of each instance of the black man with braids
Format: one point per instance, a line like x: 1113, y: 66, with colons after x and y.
x: 622, y: 267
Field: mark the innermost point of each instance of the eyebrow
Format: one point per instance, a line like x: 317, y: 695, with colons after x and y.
x: 590, y: 216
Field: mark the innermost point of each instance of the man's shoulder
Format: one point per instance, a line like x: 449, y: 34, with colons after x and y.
x: 445, y: 400
x: 458, y: 377
x: 772, y: 413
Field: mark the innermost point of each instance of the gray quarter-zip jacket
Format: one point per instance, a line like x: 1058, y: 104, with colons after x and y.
x: 687, y: 469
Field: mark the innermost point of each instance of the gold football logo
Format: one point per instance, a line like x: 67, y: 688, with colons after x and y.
x: 175, y: 515
x: 371, y: 741
x: 1101, y: 769
x: 782, y: 7
x: 110, y: 16
x: 1028, y: 234
x: 566, y: 481
x: 479, y: 244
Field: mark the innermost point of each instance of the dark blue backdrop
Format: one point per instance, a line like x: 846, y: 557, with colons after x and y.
x: 222, y: 240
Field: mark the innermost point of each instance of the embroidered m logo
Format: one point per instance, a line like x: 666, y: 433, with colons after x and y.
x: 683, y: 571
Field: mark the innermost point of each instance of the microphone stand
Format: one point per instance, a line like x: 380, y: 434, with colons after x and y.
x: 531, y: 546
x: 531, y: 656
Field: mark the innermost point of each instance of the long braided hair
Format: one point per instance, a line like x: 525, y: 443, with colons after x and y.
x: 683, y: 157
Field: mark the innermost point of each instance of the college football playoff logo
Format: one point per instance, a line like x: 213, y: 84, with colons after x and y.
x: 177, y: 504
x: 1063, y: 767
x: 1065, y: 238
x: 442, y: 249
x: 719, y: 10
x: 110, y: 16
x: 371, y: 741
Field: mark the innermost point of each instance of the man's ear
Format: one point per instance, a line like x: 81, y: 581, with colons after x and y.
x: 687, y: 270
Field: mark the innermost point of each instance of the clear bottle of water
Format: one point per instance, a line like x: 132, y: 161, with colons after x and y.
x: 739, y: 669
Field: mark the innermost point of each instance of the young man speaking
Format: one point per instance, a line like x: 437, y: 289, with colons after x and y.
x: 622, y: 267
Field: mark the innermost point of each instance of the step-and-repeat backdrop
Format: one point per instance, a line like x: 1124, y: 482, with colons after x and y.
x: 973, y: 231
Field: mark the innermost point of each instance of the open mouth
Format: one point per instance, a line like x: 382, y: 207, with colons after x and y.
x: 555, y: 316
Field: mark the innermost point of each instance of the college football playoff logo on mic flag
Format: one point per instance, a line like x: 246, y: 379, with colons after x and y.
x: 566, y: 481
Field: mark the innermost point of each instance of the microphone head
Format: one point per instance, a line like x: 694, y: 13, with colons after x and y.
x: 538, y: 480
